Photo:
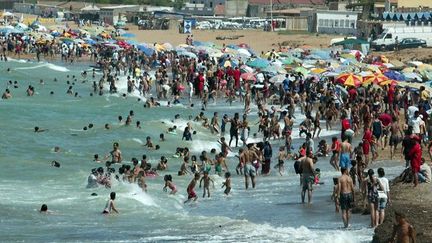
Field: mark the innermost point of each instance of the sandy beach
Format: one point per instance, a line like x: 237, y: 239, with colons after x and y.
x: 257, y: 39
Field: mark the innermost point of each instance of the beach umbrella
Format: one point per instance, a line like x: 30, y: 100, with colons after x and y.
x: 278, y: 78
x: 301, y: 70
x: 243, y: 51
x: 317, y: 70
x: 413, y: 76
x: 67, y: 40
x: 349, y: 79
x: 258, y: 63
x: 188, y: 54
x: 394, y: 75
x: 146, y: 50
x: 246, y: 69
x: 128, y: 35
x: 229, y: 63
x: 167, y: 46
x: 243, y: 45
x: 248, y: 76
x: 374, y: 78
x: 388, y: 82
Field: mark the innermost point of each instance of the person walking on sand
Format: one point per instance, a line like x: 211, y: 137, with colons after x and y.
x: 345, y: 190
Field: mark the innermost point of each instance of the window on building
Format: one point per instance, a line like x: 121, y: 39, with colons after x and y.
x: 342, y: 23
x: 353, y: 23
x: 321, y: 23
x: 331, y: 23
x: 326, y: 23
x: 336, y: 23
x: 211, y: 4
x: 347, y: 24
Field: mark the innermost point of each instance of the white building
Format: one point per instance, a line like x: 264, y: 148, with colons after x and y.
x: 336, y: 22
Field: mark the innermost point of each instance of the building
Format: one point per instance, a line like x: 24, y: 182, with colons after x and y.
x: 414, y: 4
x: 208, y: 3
x: 197, y: 9
x: 113, y: 14
x: 7, y: 4
x: 336, y: 22
x: 236, y: 8
x: 259, y: 8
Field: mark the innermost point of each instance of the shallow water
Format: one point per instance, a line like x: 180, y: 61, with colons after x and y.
x: 269, y: 213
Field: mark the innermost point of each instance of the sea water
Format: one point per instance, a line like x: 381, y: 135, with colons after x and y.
x: 271, y: 212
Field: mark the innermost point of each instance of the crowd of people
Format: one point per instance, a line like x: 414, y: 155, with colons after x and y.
x: 371, y: 119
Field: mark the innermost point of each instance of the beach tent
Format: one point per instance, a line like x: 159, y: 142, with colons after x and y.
x: 354, y: 44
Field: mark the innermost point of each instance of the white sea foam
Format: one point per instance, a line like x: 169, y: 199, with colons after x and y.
x: 48, y: 65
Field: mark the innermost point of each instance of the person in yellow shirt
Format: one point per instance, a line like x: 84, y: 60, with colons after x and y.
x: 424, y: 94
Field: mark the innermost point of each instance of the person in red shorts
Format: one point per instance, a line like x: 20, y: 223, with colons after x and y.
x: 190, y: 189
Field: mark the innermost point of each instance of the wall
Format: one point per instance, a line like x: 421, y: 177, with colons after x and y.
x: 336, y: 22
x: 297, y: 23
x: 208, y: 3
x: 236, y: 7
x: 414, y: 3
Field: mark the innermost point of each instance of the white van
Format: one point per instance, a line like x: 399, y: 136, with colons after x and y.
x: 388, y: 38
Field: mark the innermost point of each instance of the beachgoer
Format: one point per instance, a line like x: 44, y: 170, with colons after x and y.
x: 346, y: 196
x: 110, y: 207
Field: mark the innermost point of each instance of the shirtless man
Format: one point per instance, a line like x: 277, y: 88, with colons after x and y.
x: 346, y: 149
x: 345, y: 190
x: 247, y: 101
x: 224, y: 147
x: 396, y: 135
x: 246, y: 159
x: 403, y: 232
x: 308, y: 175
x: 116, y: 155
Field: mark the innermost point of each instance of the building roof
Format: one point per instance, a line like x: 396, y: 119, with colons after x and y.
x: 291, y: 10
x: 219, y: 9
x: 295, y: 2
x: 120, y: 7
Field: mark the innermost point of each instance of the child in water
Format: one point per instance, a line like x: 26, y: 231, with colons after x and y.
x: 141, y: 181
x: 227, y: 183
x: 207, y: 181
x: 169, y: 184
x: 281, y: 156
x: 190, y: 189
x: 109, y: 207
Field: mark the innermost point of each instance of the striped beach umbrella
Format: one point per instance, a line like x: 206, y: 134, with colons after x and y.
x: 375, y: 78
x: 349, y: 79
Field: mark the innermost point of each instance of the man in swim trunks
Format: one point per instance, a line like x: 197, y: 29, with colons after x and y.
x: 396, y: 135
x: 346, y: 149
x: 308, y: 175
x: 346, y: 199
x: 249, y: 170
x: 190, y: 189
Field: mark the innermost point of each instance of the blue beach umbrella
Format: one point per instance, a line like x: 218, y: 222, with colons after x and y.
x: 146, y: 50
x: 128, y: 35
x: 394, y: 75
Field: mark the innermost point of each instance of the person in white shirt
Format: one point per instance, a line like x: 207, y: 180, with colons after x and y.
x: 411, y: 110
x: 415, y: 122
x: 383, y: 196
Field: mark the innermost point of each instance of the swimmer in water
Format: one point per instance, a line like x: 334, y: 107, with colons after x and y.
x: 227, y: 183
x: 149, y: 143
x: 44, y: 209
x: 190, y: 189
x: 169, y: 184
x: 109, y: 207
x: 116, y: 155
x: 37, y: 129
x: 207, y: 181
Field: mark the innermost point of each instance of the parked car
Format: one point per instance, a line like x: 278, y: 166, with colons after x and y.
x: 407, y: 43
